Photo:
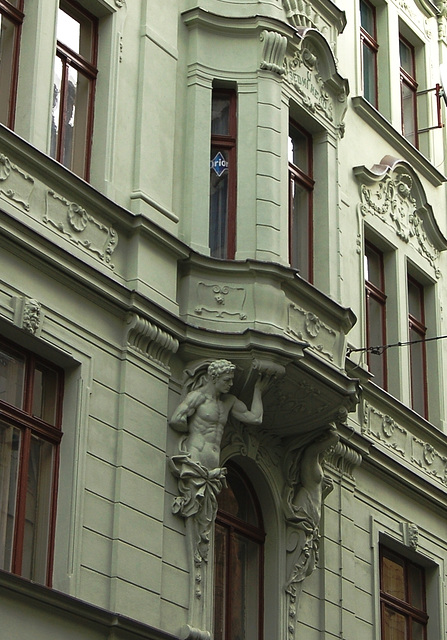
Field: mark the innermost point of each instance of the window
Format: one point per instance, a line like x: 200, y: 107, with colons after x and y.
x: 375, y: 312
x: 74, y: 88
x: 408, y: 89
x: 416, y: 334
x: 300, y: 200
x: 30, y: 420
x: 239, y: 540
x: 402, y: 598
x: 222, y: 234
x: 369, y: 48
x: 11, y: 18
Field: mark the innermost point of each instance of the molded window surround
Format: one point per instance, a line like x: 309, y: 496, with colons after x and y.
x: 11, y: 19
x: 30, y: 433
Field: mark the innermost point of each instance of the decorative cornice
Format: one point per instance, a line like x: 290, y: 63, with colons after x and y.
x: 147, y: 338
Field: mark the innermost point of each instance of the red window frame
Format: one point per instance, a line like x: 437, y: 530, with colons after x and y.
x: 369, y: 45
x: 408, y: 582
x: 227, y: 565
x: 223, y: 188
x: 30, y: 426
x: 86, y: 68
x: 375, y: 295
x: 417, y: 332
x: 408, y: 91
x: 301, y: 217
x: 13, y: 12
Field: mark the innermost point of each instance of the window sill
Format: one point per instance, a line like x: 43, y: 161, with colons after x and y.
x: 409, y: 153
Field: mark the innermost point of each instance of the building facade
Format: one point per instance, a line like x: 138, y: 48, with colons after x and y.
x: 222, y: 319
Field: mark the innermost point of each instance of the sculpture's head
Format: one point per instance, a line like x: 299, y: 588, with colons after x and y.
x: 221, y: 372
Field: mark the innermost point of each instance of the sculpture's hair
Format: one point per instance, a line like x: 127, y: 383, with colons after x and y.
x: 220, y: 367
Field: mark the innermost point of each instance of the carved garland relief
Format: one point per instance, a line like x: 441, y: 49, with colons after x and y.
x: 15, y: 184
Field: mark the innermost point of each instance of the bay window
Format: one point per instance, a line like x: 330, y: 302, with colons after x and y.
x: 222, y: 221
x: 11, y: 18
x: 74, y: 87
x: 30, y: 432
x: 301, y: 186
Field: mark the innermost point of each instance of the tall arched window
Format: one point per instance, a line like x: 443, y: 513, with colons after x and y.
x: 239, y: 560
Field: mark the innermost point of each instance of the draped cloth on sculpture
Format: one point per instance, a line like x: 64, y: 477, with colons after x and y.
x: 198, y: 488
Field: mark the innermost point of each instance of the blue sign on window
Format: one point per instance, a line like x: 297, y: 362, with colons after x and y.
x: 219, y: 164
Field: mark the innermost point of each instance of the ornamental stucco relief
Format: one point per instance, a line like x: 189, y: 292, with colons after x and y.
x: 218, y: 300
x: 307, y: 326
x: 80, y: 227
x: 273, y: 52
x: 15, y: 184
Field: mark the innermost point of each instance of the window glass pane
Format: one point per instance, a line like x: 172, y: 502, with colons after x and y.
x: 298, y: 149
x: 9, y: 465
x: 236, y: 500
x: 220, y: 581
x: 37, y: 511
x: 68, y: 30
x: 244, y: 589
x: 408, y: 113
x: 367, y: 17
x: 220, y: 115
x: 416, y: 582
x: 417, y: 631
x: 395, y: 625
x: 393, y: 578
x: 7, y: 44
x: 55, y: 120
x: 406, y: 58
x: 218, y: 202
x: 300, y: 232
x: 75, y: 30
x: 373, y: 267
x: 12, y: 376
x: 415, y: 300
x: 45, y: 394
x: 417, y: 373
x: 369, y: 74
x: 375, y: 337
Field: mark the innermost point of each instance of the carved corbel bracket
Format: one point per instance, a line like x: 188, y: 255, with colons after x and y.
x: 147, y: 338
x: 344, y: 459
x: 274, y: 52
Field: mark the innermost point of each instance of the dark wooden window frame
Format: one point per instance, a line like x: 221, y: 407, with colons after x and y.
x: 377, y: 293
x: 409, y: 80
x: 229, y: 143
x: 88, y: 69
x: 16, y: 16
x: 369, y: 40
x: 30, y: 425
x: 417, y: 325
x: 306, y: 181
x: 402, y: 607
x: 234, y: 526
